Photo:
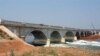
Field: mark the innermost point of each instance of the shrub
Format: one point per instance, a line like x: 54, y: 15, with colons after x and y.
x: 27, y: 54
x: 12, y: 53
x: 53, y: 52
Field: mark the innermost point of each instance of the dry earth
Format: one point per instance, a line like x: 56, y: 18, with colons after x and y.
x: 23, y: 49
x: 92, y: 37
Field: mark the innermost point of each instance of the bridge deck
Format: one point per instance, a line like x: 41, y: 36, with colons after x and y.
x: 23, y: 24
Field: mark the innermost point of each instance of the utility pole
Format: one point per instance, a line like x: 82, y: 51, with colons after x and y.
x: 93, y: 28
x: 92, y: 25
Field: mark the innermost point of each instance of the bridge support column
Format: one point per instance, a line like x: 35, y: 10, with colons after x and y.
x: 62, y: 40
x: 48, y: 42
x: 75, y: 38
x: 84, y: 34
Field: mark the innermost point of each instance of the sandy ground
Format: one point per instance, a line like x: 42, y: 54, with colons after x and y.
x: 18, y: 46
x: 21, y: 48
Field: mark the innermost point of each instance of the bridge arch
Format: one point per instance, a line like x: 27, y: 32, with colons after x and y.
x: 89, y: 33
x: 82, y: 34
x: 78, y: 35
x: 39, y: 37
x: 55, y: 37
x: 97, y: 32
x: 69, y: 36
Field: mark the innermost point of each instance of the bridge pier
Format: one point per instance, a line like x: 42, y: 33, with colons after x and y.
x: 48, y: 42
x: 75, y: 38
x: 62, y: 40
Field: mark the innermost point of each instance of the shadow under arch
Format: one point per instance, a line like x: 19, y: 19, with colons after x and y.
x: 39, y: 38
x: 69, y: 36
x: 55, y: 37
x: 78, y: 35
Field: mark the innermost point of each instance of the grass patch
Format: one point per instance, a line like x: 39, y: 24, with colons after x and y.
x: 52, y: 52
x: 42, y: 51
x: 68, y: 54
x: 27, y: 54
x: 12, y: 52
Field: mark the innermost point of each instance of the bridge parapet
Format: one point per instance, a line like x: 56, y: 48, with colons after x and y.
x: 23, y: 24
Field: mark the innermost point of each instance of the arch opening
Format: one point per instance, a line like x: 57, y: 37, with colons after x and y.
x: 97, y: 32
x: 89, y: 33
x: 69, y: 36
x: 85, y: 34
x: 55, y: 37
x: 29, y: 38
x: 93, y: 33
x: 78, y: 35
x: 82, y: 34
x: 39, y: 38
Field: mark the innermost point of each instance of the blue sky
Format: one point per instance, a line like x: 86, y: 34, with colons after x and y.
x: 67, y: 13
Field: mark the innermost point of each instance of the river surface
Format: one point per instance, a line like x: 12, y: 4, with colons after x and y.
x: 89, y: 45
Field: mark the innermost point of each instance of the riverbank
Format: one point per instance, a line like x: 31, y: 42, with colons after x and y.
x: 18, y: 48
x: 92, y: 37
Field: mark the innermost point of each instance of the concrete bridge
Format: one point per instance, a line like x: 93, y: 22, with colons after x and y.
x: 46, y: 34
